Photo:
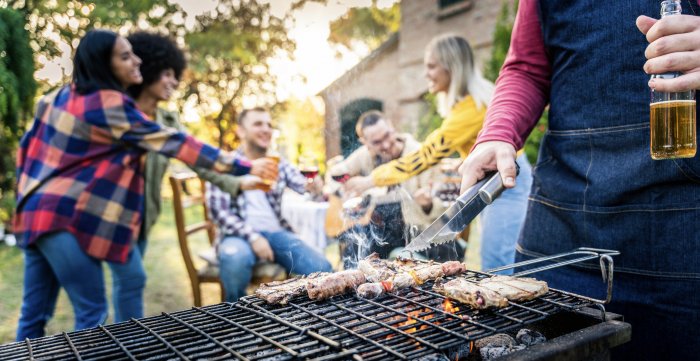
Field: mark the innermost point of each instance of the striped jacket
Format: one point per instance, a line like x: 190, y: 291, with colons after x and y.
x: 79, y: 169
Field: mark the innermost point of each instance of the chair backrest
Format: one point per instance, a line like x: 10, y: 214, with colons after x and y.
x: 186, y: 195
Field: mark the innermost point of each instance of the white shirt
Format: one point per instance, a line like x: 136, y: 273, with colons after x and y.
x: 259, y: 213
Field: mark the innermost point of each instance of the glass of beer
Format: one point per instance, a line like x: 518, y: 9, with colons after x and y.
x: 268, y: 183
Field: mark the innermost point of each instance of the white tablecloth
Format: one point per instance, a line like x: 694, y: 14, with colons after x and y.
x: 307, y: 218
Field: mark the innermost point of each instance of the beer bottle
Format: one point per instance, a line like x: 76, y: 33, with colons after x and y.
x: 672, y: 118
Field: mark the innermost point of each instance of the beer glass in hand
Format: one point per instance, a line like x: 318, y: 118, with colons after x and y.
x: 269, y: 180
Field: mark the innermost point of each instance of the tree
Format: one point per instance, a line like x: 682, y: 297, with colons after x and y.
x: 17, y: 91
x: 301, y: 126
x: 501, y: 39
x: 230, y: 48
x: 370, y: 26
x: 71, y: 19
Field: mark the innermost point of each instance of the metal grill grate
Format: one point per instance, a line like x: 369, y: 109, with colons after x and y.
x: 407, y: 325
x: 220, y: 332
x: 413, y: 322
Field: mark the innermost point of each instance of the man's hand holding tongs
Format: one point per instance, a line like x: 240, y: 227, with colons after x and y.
x: 486, y: 157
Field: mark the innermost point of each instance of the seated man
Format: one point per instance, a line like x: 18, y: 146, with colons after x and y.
x: 413, y: 205
x: 250, y: 224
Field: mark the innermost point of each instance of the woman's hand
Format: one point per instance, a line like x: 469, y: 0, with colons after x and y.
x: 674, y: 45
x: 489, y: 156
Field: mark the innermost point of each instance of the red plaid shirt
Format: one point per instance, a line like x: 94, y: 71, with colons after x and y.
x: 79, y: 169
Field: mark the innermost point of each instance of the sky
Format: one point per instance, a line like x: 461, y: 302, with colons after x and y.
x: 315, y: 60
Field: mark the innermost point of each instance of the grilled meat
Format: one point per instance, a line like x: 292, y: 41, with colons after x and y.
x: 516, y: 288
x: 377, y: 269
x: 402, y: 273
x: 280, y: 292
x: 451, y: 268
x: 334, y: 284
x: 492, y: 292
x: 370, y: 290
x: 470, y: 293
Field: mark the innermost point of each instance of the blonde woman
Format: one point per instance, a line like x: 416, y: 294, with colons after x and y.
x: 463, y: 96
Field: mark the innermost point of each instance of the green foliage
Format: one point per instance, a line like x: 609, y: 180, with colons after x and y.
x: 499, y: 51
x: 501, y: 39
x: 349, y: 115
x: 369, y: 25
x: 230, y: 49
x: 7, y: 206
x: 431, y: 120
x: 532, y: 143
x: 17, y: 92
x: 71, y: 19
x: 301, y: 128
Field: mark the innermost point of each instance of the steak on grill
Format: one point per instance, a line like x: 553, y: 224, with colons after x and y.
x: 470, y: 293
x: 492, y: 292
x: 515, y: 288
x: 280, y: 292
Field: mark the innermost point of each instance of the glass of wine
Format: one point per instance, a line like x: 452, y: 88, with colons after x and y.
x: 341, y: 178
x: 308, y: 165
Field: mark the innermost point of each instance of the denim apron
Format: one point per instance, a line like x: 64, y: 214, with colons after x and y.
x: 596, y: 185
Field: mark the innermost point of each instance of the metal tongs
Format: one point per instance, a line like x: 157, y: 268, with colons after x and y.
x: 458, y: 216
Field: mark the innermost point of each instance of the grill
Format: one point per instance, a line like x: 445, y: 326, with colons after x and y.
x: 415, y: 323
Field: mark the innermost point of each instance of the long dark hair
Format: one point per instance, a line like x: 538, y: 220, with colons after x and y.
x: 92, y: 69
x: 157, y: 53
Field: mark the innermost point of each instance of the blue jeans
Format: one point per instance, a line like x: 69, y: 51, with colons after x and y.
x: 57, y: 261
x: 128, y: 283
x: 236, y: 260
x: 502, y: 221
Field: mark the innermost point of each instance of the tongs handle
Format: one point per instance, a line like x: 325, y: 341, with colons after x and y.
x: 489, y: 188
x: 492, y: 189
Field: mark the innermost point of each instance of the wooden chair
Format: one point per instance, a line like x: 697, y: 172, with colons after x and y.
x: 185, y: 230
x: 262, y: 272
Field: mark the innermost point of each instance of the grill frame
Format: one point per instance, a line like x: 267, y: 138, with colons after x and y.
x: 343, y: 327
x: 340, y: 328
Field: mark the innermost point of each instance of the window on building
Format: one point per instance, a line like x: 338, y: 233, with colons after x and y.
x: 447, y: 3
x: 447, y: 8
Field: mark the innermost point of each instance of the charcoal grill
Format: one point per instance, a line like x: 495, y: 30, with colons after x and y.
x: 411, y: 324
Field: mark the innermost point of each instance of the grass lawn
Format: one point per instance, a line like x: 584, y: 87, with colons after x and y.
x: 168, y: 288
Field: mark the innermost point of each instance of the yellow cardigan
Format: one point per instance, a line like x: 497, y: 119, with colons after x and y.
x: 457, y: 133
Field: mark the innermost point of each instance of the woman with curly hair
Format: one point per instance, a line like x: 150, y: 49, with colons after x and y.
x: 162, y: 65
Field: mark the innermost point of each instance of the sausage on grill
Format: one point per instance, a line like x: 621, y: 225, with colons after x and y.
x: 334, y: 284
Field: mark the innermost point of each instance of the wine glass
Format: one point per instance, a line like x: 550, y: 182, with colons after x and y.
x: 308, y: 165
